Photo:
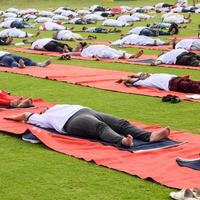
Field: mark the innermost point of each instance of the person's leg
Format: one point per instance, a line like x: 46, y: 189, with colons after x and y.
x: 86, y: 124
x: 163, y: 33
x: 28, y: 62
x: 123, y: 127
x: 52, y: 46
x: 148, y: 32
x: 8, y: 61
x: 188, y: 59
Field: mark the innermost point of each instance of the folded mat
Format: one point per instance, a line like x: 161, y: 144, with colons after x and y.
x: 191, y: 163
x: 97, y: 78
x: 158, y: 165
x: 76, y: 55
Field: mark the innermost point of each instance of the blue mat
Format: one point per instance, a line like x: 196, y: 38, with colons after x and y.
x: 143, y: 61
x: 139, y: 146
x: 191, y: 163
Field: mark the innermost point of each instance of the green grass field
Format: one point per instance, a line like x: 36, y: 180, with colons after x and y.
x: 35, y: 172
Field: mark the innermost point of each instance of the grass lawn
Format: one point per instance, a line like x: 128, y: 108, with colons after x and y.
x: 32, y: 172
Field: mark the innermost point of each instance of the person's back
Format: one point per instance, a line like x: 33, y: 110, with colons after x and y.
x: 158, y: 81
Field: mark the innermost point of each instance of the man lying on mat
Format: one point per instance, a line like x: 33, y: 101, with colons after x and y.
x: 178, y: 57
x: 103, y: 51
x: 14, y: 32
x: 49, y: 44
x: 76, y: 120
x: 7, y: 101
x: 188, y: 44
x: 14, y: 61
x: 100, y: 30
x: 69, y: 35
x: 142, y: 40
x: 173, y: 29
x: 167, y: 82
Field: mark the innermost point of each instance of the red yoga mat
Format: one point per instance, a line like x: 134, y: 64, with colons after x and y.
x: 158, y: 165
x: 97, y: 78
x: 125, y: 61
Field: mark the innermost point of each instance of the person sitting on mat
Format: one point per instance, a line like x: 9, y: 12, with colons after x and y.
x: 166, y: 82
x: 79, y: 121
x: 7, y: 101
x: 188, y: 44
x: 178, y: 57
x: 49, y: 44
x: 100, y: 30
x: 103, y: 51
x: 173, y: 29
x: 5, y: 41
x: 14, y: 61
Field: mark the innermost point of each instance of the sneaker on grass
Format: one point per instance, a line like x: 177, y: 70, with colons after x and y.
x: 29, y: 137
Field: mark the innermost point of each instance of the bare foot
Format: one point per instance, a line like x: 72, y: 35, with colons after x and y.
x: 21, y: 64
x: 128, y: 141
x: 160, y: 134
x: 25, y: 103
x: 15, y: 103
x: 45, y: 63
x: 137, y: 55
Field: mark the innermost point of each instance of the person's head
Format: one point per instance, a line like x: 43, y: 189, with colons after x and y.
x: 84, y: 28
x: 83, y: 45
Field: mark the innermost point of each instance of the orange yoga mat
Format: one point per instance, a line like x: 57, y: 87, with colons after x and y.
x: 97, y: 78
x: 125, y: 61
x: 159, y: 165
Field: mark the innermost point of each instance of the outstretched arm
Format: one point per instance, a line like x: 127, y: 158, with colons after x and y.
x: 19, y: 117
x: 156, y: 63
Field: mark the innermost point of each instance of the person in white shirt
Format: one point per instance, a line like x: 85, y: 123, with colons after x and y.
x: 142, y: 40
x: 100, y: 30
x: 176, y: 18
x: 14, y: 61
x: 14, y: 32
x: 114, y: 22
x: 103, y: 51
x: 166, y: 82
x: 178, y: 57
x: 51, y: 26
x: 49, y: 44
x: 147, y: 31
x: 79, y: 121
x: 67, y: 35
x: 14, y: 24
x: 189, y: 44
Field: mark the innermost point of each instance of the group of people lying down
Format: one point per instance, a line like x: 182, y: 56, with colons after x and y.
x: 79, y: 121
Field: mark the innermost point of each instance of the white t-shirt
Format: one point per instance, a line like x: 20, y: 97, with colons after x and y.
x: 137, y: 30
x: 43, y: 19
x: 50, y: 26
x: 2, y: 53
x: 171, y: 56
x: 68, y: 35
x: 40, y: 43
x: 14, y: 32
x: 103, y: 51
x: 55, y: 117
x: 138, y: 40
x: 158, y: 81
x: 128, y: 18
x: 114, y: 22
x: 188, y: 44
x: 6, y: 24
